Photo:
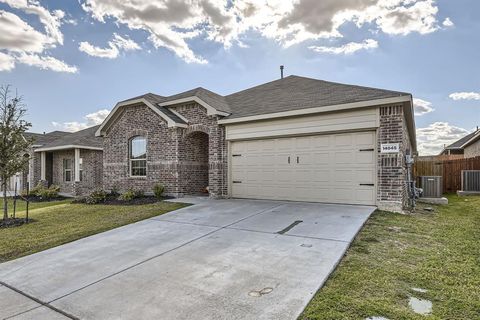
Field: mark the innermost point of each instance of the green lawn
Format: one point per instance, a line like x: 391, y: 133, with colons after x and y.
x: 394, y: 253
x: 60, y: 222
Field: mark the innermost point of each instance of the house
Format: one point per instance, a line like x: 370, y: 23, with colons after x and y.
x: 72, y: 161
x: 21, y: 178
x: 296, y: 139
x: 468, y: 146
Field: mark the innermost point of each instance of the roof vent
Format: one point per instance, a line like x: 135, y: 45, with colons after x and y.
x: 281, y: 72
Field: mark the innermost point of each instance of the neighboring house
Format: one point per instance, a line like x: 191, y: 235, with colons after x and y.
x: 468, y: 146
x: 21, y: 178
x: 73, y: 162
x: 294, y: 139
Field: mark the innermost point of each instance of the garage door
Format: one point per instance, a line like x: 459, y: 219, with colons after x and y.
x: 335, y: 168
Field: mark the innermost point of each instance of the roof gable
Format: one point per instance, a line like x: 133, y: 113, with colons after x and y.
x: 151, y: 101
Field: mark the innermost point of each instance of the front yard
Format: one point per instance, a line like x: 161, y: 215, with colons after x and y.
x: 395, y: 255
x: 59, y: 222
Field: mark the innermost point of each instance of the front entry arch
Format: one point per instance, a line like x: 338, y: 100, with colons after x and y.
x: 194, y: 163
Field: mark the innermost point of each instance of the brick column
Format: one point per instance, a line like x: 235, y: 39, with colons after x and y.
x: 217, y: 163
x: 391, y: 171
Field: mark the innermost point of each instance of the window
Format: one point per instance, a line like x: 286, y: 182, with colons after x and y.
x: 80, y: 164
x: 67, y: 170
x: 138, y: 157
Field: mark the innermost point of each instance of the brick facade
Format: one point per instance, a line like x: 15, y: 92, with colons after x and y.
x: 92, y: 173
x: 187, y: 160
x: 392, y: 169
x: 184, y: 160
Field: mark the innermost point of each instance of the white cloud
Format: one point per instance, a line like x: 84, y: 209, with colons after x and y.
x: 7, y: 63
x: 22, y: 43
x: 432, y: 139
x: 448, y: 23
x: 422, y: 107
x: 113, y: 50
x: 171, y: 24
x: 465, y: 96
x: 348, y: 48
x: 91, y: 119
x: 45, y: 63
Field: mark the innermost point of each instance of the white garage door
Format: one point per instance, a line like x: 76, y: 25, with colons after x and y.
x: 336, y: 168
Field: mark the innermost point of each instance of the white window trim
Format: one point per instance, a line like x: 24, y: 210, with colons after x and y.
x: 65, y: 171
x: 130, y: 160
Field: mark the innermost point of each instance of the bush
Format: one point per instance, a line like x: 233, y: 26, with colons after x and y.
x: 128, y: 195
x: 158, y: 190
x: 45, y: 193
x: 97, y: 196
x: 114, y: 192
x: 35, y: 191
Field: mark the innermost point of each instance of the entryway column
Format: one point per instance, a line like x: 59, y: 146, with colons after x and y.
x: 77, y: 165
x: 43, y: 165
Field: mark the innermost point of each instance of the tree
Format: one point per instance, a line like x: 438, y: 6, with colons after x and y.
x: 13, y: 144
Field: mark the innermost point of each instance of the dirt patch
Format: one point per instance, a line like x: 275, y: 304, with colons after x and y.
x: 11, y: 222
x: 40, y: 199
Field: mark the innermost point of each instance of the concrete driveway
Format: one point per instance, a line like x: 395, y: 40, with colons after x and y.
x: 217, y: 259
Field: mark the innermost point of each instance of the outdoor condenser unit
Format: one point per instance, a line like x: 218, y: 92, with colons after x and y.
x: 432, y: 186
x: 471, y: 180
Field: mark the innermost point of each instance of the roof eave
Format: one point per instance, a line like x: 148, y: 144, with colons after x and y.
x: 475, y: 137
x: 210, y: 110
x: 67, y: 147
x: 307, y: 111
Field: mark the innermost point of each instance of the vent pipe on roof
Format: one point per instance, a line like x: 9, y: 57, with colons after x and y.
x: 281, y: 72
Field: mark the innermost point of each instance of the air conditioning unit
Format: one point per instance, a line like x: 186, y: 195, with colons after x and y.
x: 432, y: 186
x: 471, y: 180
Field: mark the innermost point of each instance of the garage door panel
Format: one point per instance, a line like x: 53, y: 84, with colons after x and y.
x: 344, y: 157
x: 336, y: 168
x: 343, y: 140
x: 365, y: 139
x: 365, y: 157
x: 365, y: 176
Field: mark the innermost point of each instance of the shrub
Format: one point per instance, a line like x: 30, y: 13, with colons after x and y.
x: 114, y: 191
x: 139, y: 193
x: 128, y: 195
x: 48, y: 193
x: 35, y: 191
x: 158, y: 190
x: 97, y: 196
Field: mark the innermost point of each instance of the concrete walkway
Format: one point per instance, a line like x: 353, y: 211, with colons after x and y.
x: 217, y: 259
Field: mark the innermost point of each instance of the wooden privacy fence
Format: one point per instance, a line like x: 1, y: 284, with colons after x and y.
x: 450, y: 170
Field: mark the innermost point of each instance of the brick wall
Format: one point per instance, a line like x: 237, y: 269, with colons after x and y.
x: 392, y: 172
x: 92, y: 173
x: 217, y: 151
x: 176, y: 157
x: 57, y: 172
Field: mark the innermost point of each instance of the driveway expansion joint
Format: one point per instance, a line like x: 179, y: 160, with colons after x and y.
x: 40, y: 302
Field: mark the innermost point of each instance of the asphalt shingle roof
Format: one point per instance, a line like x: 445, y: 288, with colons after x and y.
x: 85, y: 137
x: 296, y: 93
x: 44, y: 138
x: 460, y: 142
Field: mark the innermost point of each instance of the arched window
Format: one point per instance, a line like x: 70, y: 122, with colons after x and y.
x: 138, y: 156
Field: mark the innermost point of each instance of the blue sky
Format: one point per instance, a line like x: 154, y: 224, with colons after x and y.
x: 70, y: 59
